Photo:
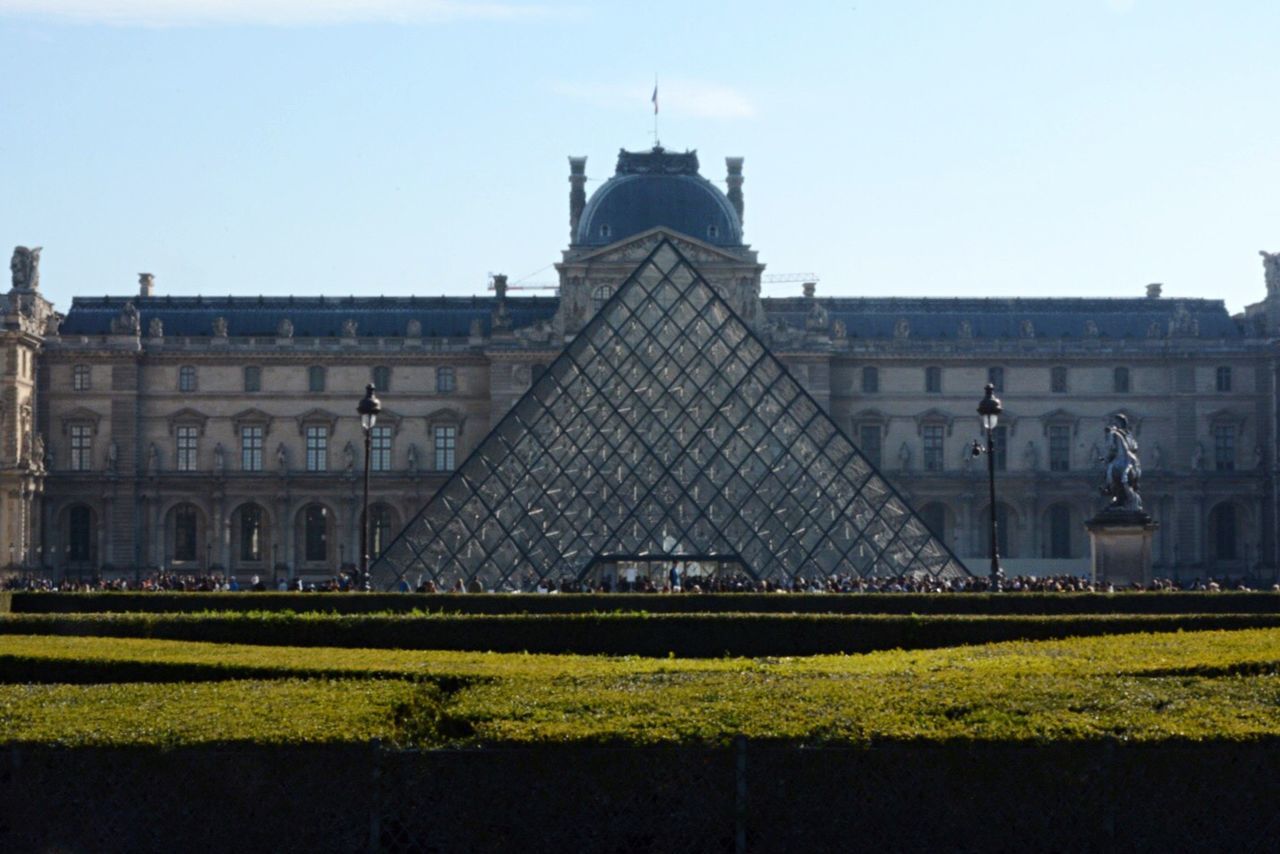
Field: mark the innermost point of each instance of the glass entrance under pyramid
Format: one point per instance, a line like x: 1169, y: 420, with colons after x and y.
x: 665, y: 428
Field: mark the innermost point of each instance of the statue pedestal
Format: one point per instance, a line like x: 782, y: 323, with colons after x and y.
x: 1120, y: 542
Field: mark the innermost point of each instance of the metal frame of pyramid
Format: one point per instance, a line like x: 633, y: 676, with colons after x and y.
x: 666, y: 418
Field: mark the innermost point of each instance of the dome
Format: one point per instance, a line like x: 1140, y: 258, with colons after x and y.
x: 653, y: 188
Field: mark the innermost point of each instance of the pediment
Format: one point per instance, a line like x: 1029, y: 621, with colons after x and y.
x: 934, y: 416
x: 637, y: 247
x: 251, y: 416
x: 188, y: 416
x: 316, y: 416
x: 446, y: 415
x: 1061, y: 416
x: 81, y: 415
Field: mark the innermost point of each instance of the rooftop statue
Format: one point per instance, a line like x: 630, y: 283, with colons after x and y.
x: 25, y: 266
x: 1270, y: 264
x: 1121, y: 468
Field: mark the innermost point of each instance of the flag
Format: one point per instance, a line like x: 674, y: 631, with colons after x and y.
x: 655, y: 97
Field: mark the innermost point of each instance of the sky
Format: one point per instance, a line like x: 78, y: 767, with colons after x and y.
x: 1020, y: 148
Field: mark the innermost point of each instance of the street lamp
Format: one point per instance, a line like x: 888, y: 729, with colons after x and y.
x: 989, y: 410
x: 368, y: 408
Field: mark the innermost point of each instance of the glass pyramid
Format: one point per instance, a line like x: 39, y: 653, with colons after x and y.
x: 666, y: 427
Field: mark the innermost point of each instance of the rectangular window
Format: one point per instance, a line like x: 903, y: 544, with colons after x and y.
x: 1223, y: 378
x: 446, y: 380
x: 446, y: 446
x: 251, y: 448
x: 187, y: 444
x: 1059, y: 447
x: 933, y: 447
x: 1058, y: 380
x: 187, y: 378
x: 869, y: 443
x: 253, y: 378
x: 382, y: 378
x: 81, y: 447
x: 380, y: 449
x: 315, y: 379
x: 317, y: 449
x: 1224, y: 447
x: 870, y: 380
x: 998, y: 439
x: 1121, y: 381
x: 80, y: 378
x: 995, y: 376
x: 933, y: 380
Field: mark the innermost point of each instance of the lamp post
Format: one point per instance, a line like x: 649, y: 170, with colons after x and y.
x: 368, y: 408
x: 989, y: 410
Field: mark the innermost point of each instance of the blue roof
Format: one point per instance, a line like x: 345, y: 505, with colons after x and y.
x: 1061, y: 317
x: 657, y: 188
x: 312, y: 317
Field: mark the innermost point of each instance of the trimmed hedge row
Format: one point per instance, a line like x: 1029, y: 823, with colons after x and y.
x: 756, y: 603
x: 689, y: 635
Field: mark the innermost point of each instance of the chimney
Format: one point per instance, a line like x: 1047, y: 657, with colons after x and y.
x: 146, y: 284
x: 810, y: 288
x: 577, y: 194
x: 500, y: 286
x: 1153, y: 290
x: 734, y: 180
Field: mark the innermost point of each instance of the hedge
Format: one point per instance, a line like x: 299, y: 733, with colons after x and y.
x: 762, y: 603
x: 694, y: 635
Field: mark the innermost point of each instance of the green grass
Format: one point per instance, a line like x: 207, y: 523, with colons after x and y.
x: 1144, y: 688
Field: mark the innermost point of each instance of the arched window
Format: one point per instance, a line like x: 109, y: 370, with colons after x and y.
x: 600, y: 296
x: 186, y: 523
x: 446, y: 379
x: 1059, y: 534
x: 382, y: 378
x: 315, y: 533
x: 379, y: 529
x: 251, y: 532
x: 80, y: 533
x: 1224, y: 532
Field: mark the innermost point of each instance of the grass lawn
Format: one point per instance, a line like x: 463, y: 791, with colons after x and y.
x: 1138, y: 687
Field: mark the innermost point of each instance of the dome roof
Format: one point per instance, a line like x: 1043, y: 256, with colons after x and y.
x: 653, y: 188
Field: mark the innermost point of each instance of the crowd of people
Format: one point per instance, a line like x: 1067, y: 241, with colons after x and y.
x: 723, y: 582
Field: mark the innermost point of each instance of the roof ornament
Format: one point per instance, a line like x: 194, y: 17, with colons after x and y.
x: 413, y: 329
x: 155, y: 329
x: 965, y: 330
x: 838, y: 330
x: 902, y: 329
x: 1270, y: 265
x: 1183, y: 324
x: 1027, y: 329
x: 219, y: 327
x: 127, y: 322
x: 349, y: 327
x: 25, y: 266
x: 1091, y: 328
x: 284, y: 329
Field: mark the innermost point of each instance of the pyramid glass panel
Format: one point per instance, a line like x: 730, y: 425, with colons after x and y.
x: 665, y: 428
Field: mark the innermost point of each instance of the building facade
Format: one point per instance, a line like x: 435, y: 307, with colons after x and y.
x: 144, y: 431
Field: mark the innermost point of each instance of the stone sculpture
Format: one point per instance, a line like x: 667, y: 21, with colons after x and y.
x: 220, y: 327
x: 156, y: 328
x: 25, y: 266
x: 349, y: 328
x: 284, y: 329
x: 1270, y: 266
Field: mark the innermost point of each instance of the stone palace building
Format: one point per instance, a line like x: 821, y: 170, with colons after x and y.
x: 144, y: 431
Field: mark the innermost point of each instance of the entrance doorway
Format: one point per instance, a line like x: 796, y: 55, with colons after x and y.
x: 650, y: 573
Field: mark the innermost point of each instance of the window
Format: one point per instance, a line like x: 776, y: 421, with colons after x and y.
x: 933, y: 380
x: 933, y: 447
x: 713, y: 232
x: 1058, y: 380
x: 317, y: 448
x: 379, y: 529
x: 600, y: 296
x: 185, y: 524
x: 995, y: 376
x: 253, y: 378
x: 1120, y: 381
x: 446, y: 439
x: 1222, y: 524
x: 869, y: 443
x: 1059, y: 447
x: 1000, y: 451
x: 251, y: 532
x: 251, y: 448
x: 80, y: 378
x: 1223, y: 378
x: 380, y: 449
x: 1059, y: 531
x: 870, y: 380
x: 187, y: 378
x: 1224, y: 447
x: 605, y: 230
x: 446, y: 379
x: 382, y: 378
x: 80, y: 533
x: 188, y: 442
x: 81, y: 447
x: 315, y: 378
x: 315, y: 533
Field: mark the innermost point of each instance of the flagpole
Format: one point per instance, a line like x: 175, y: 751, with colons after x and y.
x: 657, y: 143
